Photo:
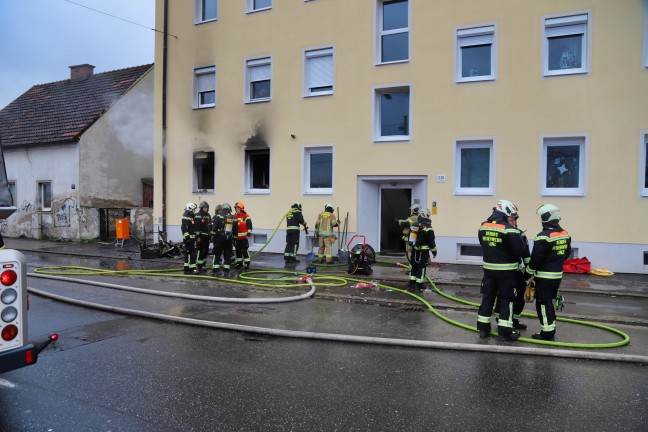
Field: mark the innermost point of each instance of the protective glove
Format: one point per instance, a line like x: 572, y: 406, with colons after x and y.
x: 434, y: 254
x: 306, y: 230
x: 560, y: 302
x: 249, y: 234
x: 529, y: 292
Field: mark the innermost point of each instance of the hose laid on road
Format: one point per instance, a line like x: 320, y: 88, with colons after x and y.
x: 252, y: 278
x: 502, y: 349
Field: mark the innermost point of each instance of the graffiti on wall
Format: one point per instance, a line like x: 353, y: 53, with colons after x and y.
x: 25, y: 206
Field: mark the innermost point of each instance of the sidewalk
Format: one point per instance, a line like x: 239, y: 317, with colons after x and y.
x: 634, y: 285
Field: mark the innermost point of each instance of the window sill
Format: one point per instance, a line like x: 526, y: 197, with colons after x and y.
x: 206, y: 21
x: 257, y: 192
x: 204, y: 106
x: 251, y: 11
x: 253, y: 101
x: 475, y: 79
x: 392, y: 62
x: 400, y: 138
x: 562, y: 193
x: 566, y: 72
x: 319, y: 192
x: 329, y: 93
x: 473, y: 193
x: 203, y: 191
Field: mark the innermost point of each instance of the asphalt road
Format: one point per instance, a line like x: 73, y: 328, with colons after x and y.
x: 113, y: 373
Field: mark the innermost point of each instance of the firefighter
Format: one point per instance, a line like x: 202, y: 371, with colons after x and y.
x: 189, y: 237
x: 503, y: 248
x: 421, y: 249
x: 326, y: 221
x: 294, y: 218
x: 223, y: 230
x: 550, y: 249
x: 203, y: 230
x: 406, y: 225
x: 243, y: 234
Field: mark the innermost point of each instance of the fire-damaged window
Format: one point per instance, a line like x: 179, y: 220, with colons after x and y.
x: 257, y: 168
x: 203, y: 172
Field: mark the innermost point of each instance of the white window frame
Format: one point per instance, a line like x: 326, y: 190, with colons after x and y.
x: 645, y: 35
x: 309, y: 150
x: 41, y: 201
x: 250, y: 65
x: 202, y: 72
x: 485, y: 34
x: 14, y: 193
x: 249, y: 7
x: 312, y: 55
x: 199, y: 11
x: 581, y: 140
x: 247, y: 172
x: 643, y: 161
x: 564, y: 25
x: 380, y: 33
x: 377, y: 92
x: 474, y: 142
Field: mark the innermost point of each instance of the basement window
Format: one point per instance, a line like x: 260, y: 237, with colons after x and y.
x: 469, y: 251
x: 203, y: 172
x: 259, y: 239
x: 645, y: 259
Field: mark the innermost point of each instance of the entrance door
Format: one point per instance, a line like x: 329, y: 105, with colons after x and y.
x: 394, y: 203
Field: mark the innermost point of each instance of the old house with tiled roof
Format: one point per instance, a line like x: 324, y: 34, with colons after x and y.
x: 79, y: 154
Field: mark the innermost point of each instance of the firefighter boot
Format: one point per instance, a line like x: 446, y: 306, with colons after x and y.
x: 507, y: 334
x: 543, y: 335
x: 518, y: 325
x: 484, y: 329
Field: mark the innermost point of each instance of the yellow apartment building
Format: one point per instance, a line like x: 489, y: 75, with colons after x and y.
x: 373, y: 105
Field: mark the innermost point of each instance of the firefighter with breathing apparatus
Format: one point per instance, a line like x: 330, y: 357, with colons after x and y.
x: 326, y: 221
x: 224, y: 229
x: 203, y: 234
x: 423, y: 245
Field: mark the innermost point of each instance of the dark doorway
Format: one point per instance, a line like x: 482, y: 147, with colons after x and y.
x: 394, y: 203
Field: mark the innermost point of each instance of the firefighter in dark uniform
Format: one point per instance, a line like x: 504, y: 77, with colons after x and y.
x: 503, y: 248
x: 223, y: 231
x: 189, y: 238
x: 551, y: 247
x: 294, y: 218
x: 406, y: 225
x: 243, y: 234
x: 421, y: 249
x: 203, y: 230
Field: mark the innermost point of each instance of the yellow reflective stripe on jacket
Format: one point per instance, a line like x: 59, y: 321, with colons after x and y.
x: 324, y: 224
x: 547, y: 275
x: 500, y: 266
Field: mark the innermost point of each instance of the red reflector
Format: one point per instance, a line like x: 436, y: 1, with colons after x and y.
x: 8, y: 277
x: 9, y: 332
x: 29, y: 356
x: 53, y: 337
x: 7, y: 265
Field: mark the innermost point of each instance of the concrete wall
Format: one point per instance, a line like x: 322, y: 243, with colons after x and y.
x: 517, y: 110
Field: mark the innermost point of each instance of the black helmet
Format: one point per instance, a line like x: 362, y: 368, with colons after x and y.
x: 203, y: 204
x: 218, y: 208
x: 297, y: 206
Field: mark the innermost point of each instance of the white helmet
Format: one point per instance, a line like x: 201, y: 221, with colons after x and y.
x: 414, y: 208
x: 424, y: 213
x: 548, y: 212
x: 506, y: 207
x: 328, y: 206
x: 191, y: 206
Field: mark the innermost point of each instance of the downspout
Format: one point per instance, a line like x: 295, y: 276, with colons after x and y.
x: 164, y: 112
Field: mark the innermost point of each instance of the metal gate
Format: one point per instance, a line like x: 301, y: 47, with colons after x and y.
x: 107, y: 224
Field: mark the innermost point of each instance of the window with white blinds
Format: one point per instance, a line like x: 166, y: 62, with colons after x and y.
x: 566, y: 44
x: 318, y: 74
x: 205, y: 87
x: 476, y: 54
x: 259, y: 76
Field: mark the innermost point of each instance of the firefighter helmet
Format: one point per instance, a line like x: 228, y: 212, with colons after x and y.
x: 506, y: 207
x: 414, y: 208
x: 548, y: 213
x: 204, y: 204
x: 424, y: 213
x: 240, y: 205
x: 191, y: 206
x: 297, y: 206
x: 218, y: 207
x: 226, y: 208
x: 328, y: 207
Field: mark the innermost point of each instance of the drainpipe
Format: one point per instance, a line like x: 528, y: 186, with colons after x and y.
x: 164, y: 113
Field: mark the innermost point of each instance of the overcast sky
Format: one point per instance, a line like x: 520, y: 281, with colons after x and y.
x: 40, y: 39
